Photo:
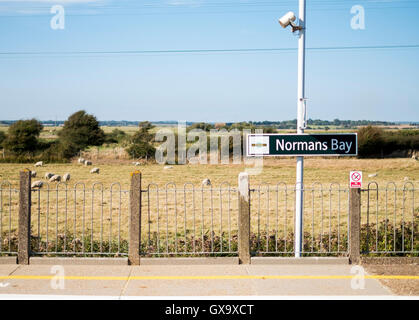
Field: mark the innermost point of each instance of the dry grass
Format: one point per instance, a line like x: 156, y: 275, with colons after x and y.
x: 274, y: 170
x: 102, y: 218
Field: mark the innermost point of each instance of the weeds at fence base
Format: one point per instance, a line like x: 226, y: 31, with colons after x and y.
x: 67, y: 244
x: 8, y: 243
x: 389, y: 241
x: 386, y: 240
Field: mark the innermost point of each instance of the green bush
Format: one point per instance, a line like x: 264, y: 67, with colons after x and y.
x: 116, y: 136
x: 370, y: 141
x: 374, y: 142
x: 2, y: 138
x: 141, y: 142
x: 80, y: 131
x: 22, y: 137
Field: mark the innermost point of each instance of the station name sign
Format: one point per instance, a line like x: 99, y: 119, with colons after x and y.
x: 339, y: 144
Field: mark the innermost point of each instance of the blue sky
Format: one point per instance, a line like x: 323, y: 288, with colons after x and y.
x: 374, y: 84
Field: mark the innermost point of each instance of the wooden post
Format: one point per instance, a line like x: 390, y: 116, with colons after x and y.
x: 354, y: 225
x: 24, y: 231
x: 244, y: 219
x: 135, y: 219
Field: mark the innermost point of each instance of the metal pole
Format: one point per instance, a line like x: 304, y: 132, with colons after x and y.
x: 300, y: 130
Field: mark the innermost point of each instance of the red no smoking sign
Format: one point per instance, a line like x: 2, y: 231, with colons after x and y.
x: 355, y: 179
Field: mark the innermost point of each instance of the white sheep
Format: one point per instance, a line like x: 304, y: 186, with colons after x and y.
x: 48, y: 175
x: 95, y: 170
x: 81, y: 160
x: 168, y: 167
x: 39, y: 164
x: 87, y: 163
x: 136, y: 164
x: 206, y: 182
x: 33, y: 174
x: 37, y: 185
x: 66, y: 177
x: 372, y: 175
x: 194, y: 160
x: 55, y: 178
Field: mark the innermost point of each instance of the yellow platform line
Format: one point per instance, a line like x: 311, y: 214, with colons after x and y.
x: 247, y: 277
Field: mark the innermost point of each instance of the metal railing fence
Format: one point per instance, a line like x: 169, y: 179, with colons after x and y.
x: 186, y: 220
x: 325, y: 221
x: 390, y: 219
x: 9, y: 213
x: 80, y: 221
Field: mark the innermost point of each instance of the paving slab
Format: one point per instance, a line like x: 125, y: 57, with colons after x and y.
x: 311, y: 280
x: 7, y: 269
x: 33, y: 283
x: 188, y: 280
x: 206, y: 285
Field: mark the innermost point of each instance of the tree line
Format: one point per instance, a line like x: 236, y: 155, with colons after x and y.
x: 22, y: 142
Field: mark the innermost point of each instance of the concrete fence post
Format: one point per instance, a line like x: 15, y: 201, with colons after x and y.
x: 24, y: 229
x: 244, y: 219
x: 135, y: 219
x: 354, y: 225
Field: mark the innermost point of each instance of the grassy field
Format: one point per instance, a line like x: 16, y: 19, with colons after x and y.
x: 320, y: 170
x: 104, y: 215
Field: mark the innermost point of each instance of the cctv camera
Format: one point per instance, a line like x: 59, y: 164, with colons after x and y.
x: 287, y: 19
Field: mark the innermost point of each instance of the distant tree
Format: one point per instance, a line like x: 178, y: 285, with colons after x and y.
x: 269, y: 130
x: 2, y: 138
x: 23, y: 136
x: 220, y: 125
x: 116, y: 136
x: 370, y: 141
x: 202, y: 126
x: 141, y: 142
x: 80, y: 131
x: 141, y: 149
x: 146, y: 125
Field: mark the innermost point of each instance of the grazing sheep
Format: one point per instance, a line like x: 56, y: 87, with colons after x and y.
x: 55, y: 178
x: 39, y: 164
x: 414, y: 157
x: 81, y: 161
x: 33, y: 174
x: 37, y: 185
x: 406, y: 179
x: 206, y: 182
x: 168, y: 167
x: 372, y: 175
x: 87, y: 163
x: 48, y: 175
x: 66, y: 177
x: 194, y: 160
x: 136, y: 164
x: 95, y: 170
